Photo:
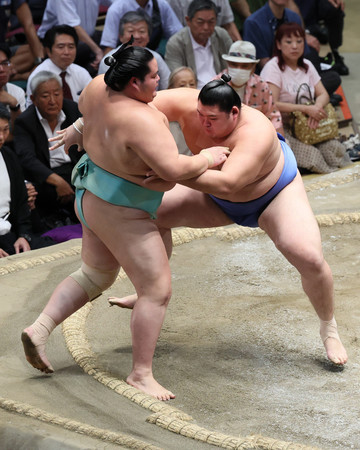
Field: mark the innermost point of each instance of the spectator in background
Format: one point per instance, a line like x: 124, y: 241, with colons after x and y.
x: 332, y: 13
x: 260, y: 29
x: 243, y: 9
x: 163, y: 20
x: 286, y: 73
x: 60, y: 45
x: 182, y: 77
x: 16, y: 233
x: 138, y: 24
x: 200, y: 44
x: 37, y: 8
x: 50, y: 172
x: 12, y: 96
x: 252, y: 89
x: 82, y: 15
x: 26, y: 56
x: 225, y: 16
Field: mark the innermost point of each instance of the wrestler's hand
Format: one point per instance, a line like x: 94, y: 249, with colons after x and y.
x: 67, y: 137
x: 155, y: 183
x: 215, y: 155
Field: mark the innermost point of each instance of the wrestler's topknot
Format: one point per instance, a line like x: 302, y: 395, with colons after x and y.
x: 226, y: 77
x: 218, y: 92
x: 112, y: 59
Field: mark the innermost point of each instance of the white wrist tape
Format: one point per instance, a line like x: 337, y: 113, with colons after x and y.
x: 208, y: 156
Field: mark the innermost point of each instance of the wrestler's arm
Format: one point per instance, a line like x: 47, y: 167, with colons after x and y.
x: 242, y: 167
x: 151, y: 139
x: 175, y: 103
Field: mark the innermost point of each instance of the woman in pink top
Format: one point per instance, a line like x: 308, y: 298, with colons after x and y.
x: 285, y: 73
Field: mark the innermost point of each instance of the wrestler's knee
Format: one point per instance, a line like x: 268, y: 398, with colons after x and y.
x: 159, y: 293
x: 94, y: 281
x: 314, y: 263
x: 166, y: 296
x: 303, y: 256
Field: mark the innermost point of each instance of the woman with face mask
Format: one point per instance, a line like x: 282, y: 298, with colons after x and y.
x: 252, y: 89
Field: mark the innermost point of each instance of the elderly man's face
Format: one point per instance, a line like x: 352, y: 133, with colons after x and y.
x: 139, y: 30
x: 4, y: 69
x: 202, y: 25
x: 48, y: 98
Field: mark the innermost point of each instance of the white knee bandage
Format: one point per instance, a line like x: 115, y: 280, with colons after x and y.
x: 94, y: 281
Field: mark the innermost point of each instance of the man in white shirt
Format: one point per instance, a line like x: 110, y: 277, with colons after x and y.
x: 163, y: 19
x: 138, y: 25
x: 82, y: 15
x: 60, y: 45
x: 201, y: 44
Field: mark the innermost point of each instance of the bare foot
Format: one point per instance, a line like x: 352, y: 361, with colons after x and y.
x: 150, y: 386
x: 124, y: 302
x: 335, y: 351
x: 35, y: 351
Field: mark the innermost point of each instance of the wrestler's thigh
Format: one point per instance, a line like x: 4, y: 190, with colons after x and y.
x: 134, y: 241
x: 183, y: 206
x: 290, y: 222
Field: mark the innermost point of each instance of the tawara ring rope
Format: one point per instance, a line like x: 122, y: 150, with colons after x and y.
x: 163, y: 415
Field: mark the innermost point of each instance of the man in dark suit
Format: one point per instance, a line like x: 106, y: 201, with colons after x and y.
x: 16, y: 233
x: 49, y: 171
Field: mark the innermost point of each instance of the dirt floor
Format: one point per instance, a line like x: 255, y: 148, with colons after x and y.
x: 240, y: 347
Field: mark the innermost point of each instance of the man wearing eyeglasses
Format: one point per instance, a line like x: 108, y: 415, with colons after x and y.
x: 200, y: 44
x: 12, y: 96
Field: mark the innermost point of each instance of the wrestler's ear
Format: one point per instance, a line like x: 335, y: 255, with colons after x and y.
x: 134, y: 82
x: 235, y: 111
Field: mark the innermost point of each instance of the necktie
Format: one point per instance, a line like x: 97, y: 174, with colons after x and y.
x: 66, y: 88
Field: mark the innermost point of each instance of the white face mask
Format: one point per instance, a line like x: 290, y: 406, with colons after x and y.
x: 239, y: 76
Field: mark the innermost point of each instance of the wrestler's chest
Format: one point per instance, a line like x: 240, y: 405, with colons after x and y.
x: 196, y: 139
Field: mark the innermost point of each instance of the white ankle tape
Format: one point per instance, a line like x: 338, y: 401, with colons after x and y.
x: 328, y: 329
x: 43, y: 325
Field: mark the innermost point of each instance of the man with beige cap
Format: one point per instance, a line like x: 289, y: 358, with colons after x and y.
x: 252, y: 89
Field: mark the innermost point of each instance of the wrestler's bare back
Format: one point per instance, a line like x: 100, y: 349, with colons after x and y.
x: 255, y: 149
x: 119, y: 132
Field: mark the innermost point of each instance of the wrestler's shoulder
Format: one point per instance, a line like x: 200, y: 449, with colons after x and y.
x: 178, y: 97
x: 96, y: 82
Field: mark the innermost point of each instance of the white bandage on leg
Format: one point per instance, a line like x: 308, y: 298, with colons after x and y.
x: 94, y: 281
x: 328, y: 329
x: 44, y: 325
